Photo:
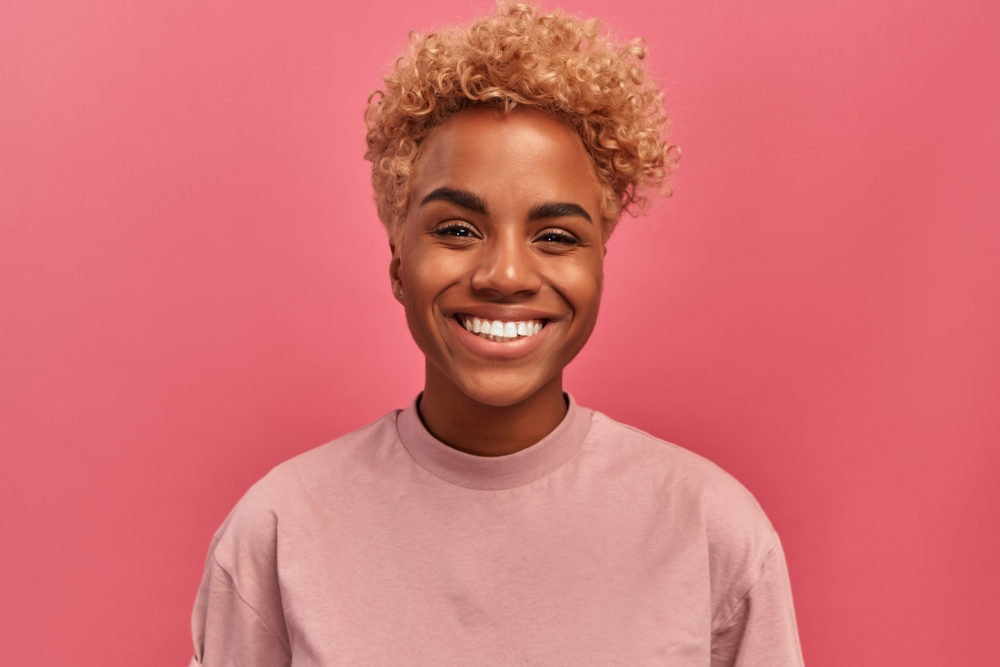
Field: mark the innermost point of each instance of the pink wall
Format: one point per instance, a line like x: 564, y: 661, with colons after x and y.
x: 193, y: 287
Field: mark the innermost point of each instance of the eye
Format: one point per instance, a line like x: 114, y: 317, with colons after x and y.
x: 557, y: 236
x: 462, y: 230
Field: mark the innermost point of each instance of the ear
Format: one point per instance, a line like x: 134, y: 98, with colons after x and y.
x: 395, y: 265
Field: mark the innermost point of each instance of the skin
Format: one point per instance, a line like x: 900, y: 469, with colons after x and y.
x: 504, y: 223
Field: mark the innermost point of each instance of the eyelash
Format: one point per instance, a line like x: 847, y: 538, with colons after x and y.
x: 453, y: 227
x: 559, y: 236
x: 460, y: 230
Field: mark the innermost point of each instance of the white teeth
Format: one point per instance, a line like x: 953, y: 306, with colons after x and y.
x: 498, y: 330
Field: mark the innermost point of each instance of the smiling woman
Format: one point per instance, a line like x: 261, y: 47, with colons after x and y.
x: 495, y: 521
x: 501, y: 231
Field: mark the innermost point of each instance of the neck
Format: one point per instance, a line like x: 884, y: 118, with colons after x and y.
x: 465, y: 424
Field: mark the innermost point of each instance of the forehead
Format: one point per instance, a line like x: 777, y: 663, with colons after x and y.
x: 510, y: 160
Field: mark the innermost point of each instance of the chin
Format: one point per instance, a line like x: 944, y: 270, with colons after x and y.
x: 500, y: 392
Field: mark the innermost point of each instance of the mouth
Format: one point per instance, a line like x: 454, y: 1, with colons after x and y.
x: 500, y: 331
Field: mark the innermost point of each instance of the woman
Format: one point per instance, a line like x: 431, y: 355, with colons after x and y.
x: 494, y: 521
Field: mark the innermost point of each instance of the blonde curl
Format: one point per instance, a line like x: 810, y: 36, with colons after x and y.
x: 522, y: 56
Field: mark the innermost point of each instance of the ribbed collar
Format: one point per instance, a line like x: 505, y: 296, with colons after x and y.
x: 493, y: 473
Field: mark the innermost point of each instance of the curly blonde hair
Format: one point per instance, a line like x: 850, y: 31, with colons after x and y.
x: 522, y: 56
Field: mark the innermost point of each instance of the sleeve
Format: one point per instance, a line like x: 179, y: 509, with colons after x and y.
x: 227, y: 630
x: 761, y: 630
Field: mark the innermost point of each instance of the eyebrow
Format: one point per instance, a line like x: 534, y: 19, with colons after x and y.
x: 558, y: 210
x: 458, y: 198
x: 475, y: 203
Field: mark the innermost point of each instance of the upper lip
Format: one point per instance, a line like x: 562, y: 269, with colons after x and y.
x: 502, y: 313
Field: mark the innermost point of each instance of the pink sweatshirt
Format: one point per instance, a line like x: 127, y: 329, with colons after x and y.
x: 600, y: 545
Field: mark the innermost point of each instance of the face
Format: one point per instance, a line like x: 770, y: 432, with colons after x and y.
x: 503, y: 236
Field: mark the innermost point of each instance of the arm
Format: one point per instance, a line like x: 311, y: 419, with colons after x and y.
x: 761, y: 630
x: 230, y: 631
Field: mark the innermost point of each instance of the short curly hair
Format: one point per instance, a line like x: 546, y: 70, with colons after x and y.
x: 524, y: 57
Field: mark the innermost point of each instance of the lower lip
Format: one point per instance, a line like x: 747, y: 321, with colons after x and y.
x: 514, y: 349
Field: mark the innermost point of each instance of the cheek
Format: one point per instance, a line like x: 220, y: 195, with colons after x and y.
x: 429, y: 275
x: 583, y: 286
x: 582, y: 290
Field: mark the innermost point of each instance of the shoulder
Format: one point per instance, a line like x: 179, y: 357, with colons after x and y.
x: 337, y: 467
x: 691, y: 494
x: 688, y: 475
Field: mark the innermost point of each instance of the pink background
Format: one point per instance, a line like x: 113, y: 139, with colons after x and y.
x: 193, y: 288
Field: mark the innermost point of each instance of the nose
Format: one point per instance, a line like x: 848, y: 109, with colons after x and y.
x: 507, y: 268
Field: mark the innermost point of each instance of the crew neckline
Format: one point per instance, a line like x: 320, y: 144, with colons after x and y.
x: 494, y: 473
